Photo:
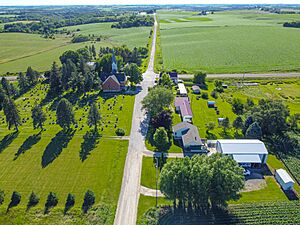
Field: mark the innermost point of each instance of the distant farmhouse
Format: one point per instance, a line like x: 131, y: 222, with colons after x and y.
x: 244, y: 151
x: 115, y: 81
x: 189, y: 136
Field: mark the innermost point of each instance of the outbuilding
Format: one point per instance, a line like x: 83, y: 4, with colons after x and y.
x: 284, y: 179
x: 196, y: 89
x: 250, y: 152
x: 182, y: 90
x: 211, y: 104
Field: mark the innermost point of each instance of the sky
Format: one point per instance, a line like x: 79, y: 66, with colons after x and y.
x: 110, y: 2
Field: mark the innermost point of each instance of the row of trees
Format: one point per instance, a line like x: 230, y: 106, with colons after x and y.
x: 201, y: 182
x: 133, y: 21
x: 52, y: 201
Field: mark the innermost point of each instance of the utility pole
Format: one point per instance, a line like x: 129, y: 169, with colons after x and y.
x: 156, y: 167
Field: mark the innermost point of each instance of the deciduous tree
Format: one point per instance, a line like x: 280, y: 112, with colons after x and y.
x: 38, y: 117
x: 65, y: 114
x: 161, y: 139
x: 94, y: 116
x: 254, y: 131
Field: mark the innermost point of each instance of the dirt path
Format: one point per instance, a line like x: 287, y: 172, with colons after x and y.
x: 130, y: 190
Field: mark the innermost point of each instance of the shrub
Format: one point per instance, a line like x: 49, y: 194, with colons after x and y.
x: 80, y: 38
x: 214, y: 94
x: 204, y: 95
x: 120, y: 132
x: 89, y: 201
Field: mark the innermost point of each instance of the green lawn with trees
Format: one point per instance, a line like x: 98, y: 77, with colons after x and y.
x: 228, y: 42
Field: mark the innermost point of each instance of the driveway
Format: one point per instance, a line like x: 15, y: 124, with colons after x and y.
x: 130, y: 190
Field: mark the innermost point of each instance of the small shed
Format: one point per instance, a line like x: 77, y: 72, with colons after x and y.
x: 211, y: 104
x: 220, y: 120
x: 284, y: 179
x: 196, y: 89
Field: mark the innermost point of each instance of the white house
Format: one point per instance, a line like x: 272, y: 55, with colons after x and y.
x: 189, y: 136
x: 244, y: 151
x: 182, y: 89
x: 284, y: 179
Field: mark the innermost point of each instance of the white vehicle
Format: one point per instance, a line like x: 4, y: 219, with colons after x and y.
x: 246, y: 172
x: 245, y: 165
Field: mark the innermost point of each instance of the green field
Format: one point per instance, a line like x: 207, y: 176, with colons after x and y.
x: 65, y: 162
x: 19, y: 50
x: 229, y: 42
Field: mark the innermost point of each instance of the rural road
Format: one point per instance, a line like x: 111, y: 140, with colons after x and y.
x: 130, y: 190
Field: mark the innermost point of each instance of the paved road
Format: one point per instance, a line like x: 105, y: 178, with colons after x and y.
x: 240, y: 75
x: 130, y: 190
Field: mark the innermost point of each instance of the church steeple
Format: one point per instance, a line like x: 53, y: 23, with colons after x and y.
x: 114, y: 66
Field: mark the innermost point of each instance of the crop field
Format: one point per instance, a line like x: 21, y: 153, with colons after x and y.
x: 258, y: 213
x: 65, y: 162
x: 19, y: 50
x: 229, y: 42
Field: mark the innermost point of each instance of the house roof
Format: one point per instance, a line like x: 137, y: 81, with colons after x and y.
x: 242, y: 146
x: 286, y: 178
x: 120, y: 76
x: 110, y: 78
x: 191, y: 135
x: 184, y: 104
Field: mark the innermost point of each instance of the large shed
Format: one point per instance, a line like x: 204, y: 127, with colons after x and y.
x: 284, y: 179
x: 244, y: 151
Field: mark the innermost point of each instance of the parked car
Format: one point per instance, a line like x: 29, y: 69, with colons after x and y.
x: 246, y: 172
x: 246, y: 165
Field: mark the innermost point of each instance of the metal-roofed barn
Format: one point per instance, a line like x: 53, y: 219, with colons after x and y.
x: 250, y: 151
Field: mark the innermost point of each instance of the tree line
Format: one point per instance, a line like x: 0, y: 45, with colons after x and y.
x: 133, y: 21
x: 51, y: 202
x: 292, y: 24
x: 201, y: 182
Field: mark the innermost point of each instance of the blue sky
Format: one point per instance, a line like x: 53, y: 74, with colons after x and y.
x: 104, y: 2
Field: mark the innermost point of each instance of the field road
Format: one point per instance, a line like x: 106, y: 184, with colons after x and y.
x: 240, y: 75
x: 130, y: 190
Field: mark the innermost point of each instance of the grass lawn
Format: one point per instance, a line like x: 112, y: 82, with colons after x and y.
x: 101, y: 214
x: 270, y: 193
x: 146, y: 202
x: 19, y: 50
x: 65, y: 162
x: 228, y: 42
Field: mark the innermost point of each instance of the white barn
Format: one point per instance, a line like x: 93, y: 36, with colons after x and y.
x: 284, y: 179
x: 244, y: 151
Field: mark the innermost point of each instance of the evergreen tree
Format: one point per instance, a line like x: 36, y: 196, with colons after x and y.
x: 238, y: 123
x: 237, y: 106
x: 247, y: 123
x: 94, y: 51
x: 2, y: 97
x: 254, y: 131
x: 32, y: 76
x: 6, y: 87
x: 22, y: 82
x: 38, y: 117
x: 160, y: 138
x: 51, y: 202
x: 64, y: 114
x: 225, y: 124
x: 89, y: 201
x: 69, y: 202
x: 55, y: 79
x: 33, y: 200
x: 15, y: 199
x: 199, y: 78
x: 2, y: 195
x: 68, y: 69
x: 94, y: 116
x: 11, y: 113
